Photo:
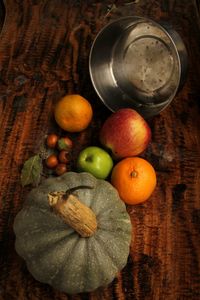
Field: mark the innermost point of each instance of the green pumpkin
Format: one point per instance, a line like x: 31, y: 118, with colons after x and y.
x: 62, y: 256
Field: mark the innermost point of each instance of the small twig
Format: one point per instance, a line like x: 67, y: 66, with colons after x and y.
x: 110, y: 8
x: 113, y: 7
x: 131, y: 2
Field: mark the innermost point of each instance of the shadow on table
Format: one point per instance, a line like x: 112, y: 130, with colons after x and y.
x: 2, y: 14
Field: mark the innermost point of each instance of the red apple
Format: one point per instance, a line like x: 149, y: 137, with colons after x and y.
x: 125, y: 133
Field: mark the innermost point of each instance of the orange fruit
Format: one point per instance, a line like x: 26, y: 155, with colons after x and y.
x: 73, y: 113
x: 134, y: 178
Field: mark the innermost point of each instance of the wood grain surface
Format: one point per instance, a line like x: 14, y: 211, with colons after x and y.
x: 44, y: 49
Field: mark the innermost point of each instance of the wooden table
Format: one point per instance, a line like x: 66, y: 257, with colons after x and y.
x: 44, y: 48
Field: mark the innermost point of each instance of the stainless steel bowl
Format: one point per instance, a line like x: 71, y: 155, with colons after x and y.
x: 135, y: 62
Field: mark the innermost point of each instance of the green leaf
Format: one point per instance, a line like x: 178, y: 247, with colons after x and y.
x: 31, y: 171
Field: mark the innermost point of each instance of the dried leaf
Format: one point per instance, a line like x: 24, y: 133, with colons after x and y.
x: 31, y: 171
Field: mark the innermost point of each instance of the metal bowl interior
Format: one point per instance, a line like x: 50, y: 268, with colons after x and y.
x: 134, y: 63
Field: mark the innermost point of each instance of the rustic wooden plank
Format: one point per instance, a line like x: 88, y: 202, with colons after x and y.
x: 44, y: 48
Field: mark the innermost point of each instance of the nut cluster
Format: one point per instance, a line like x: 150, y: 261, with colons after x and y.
x: 59, y: 160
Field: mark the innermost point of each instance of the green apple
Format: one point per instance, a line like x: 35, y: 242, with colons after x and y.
x: 95, y: 161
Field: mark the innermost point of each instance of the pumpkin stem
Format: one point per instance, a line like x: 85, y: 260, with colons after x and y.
x: 76, y: 214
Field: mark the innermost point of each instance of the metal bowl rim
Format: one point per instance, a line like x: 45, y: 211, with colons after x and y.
x: 131, y: 18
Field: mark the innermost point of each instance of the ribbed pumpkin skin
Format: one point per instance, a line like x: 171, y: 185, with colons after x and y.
x: 56, y: 254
